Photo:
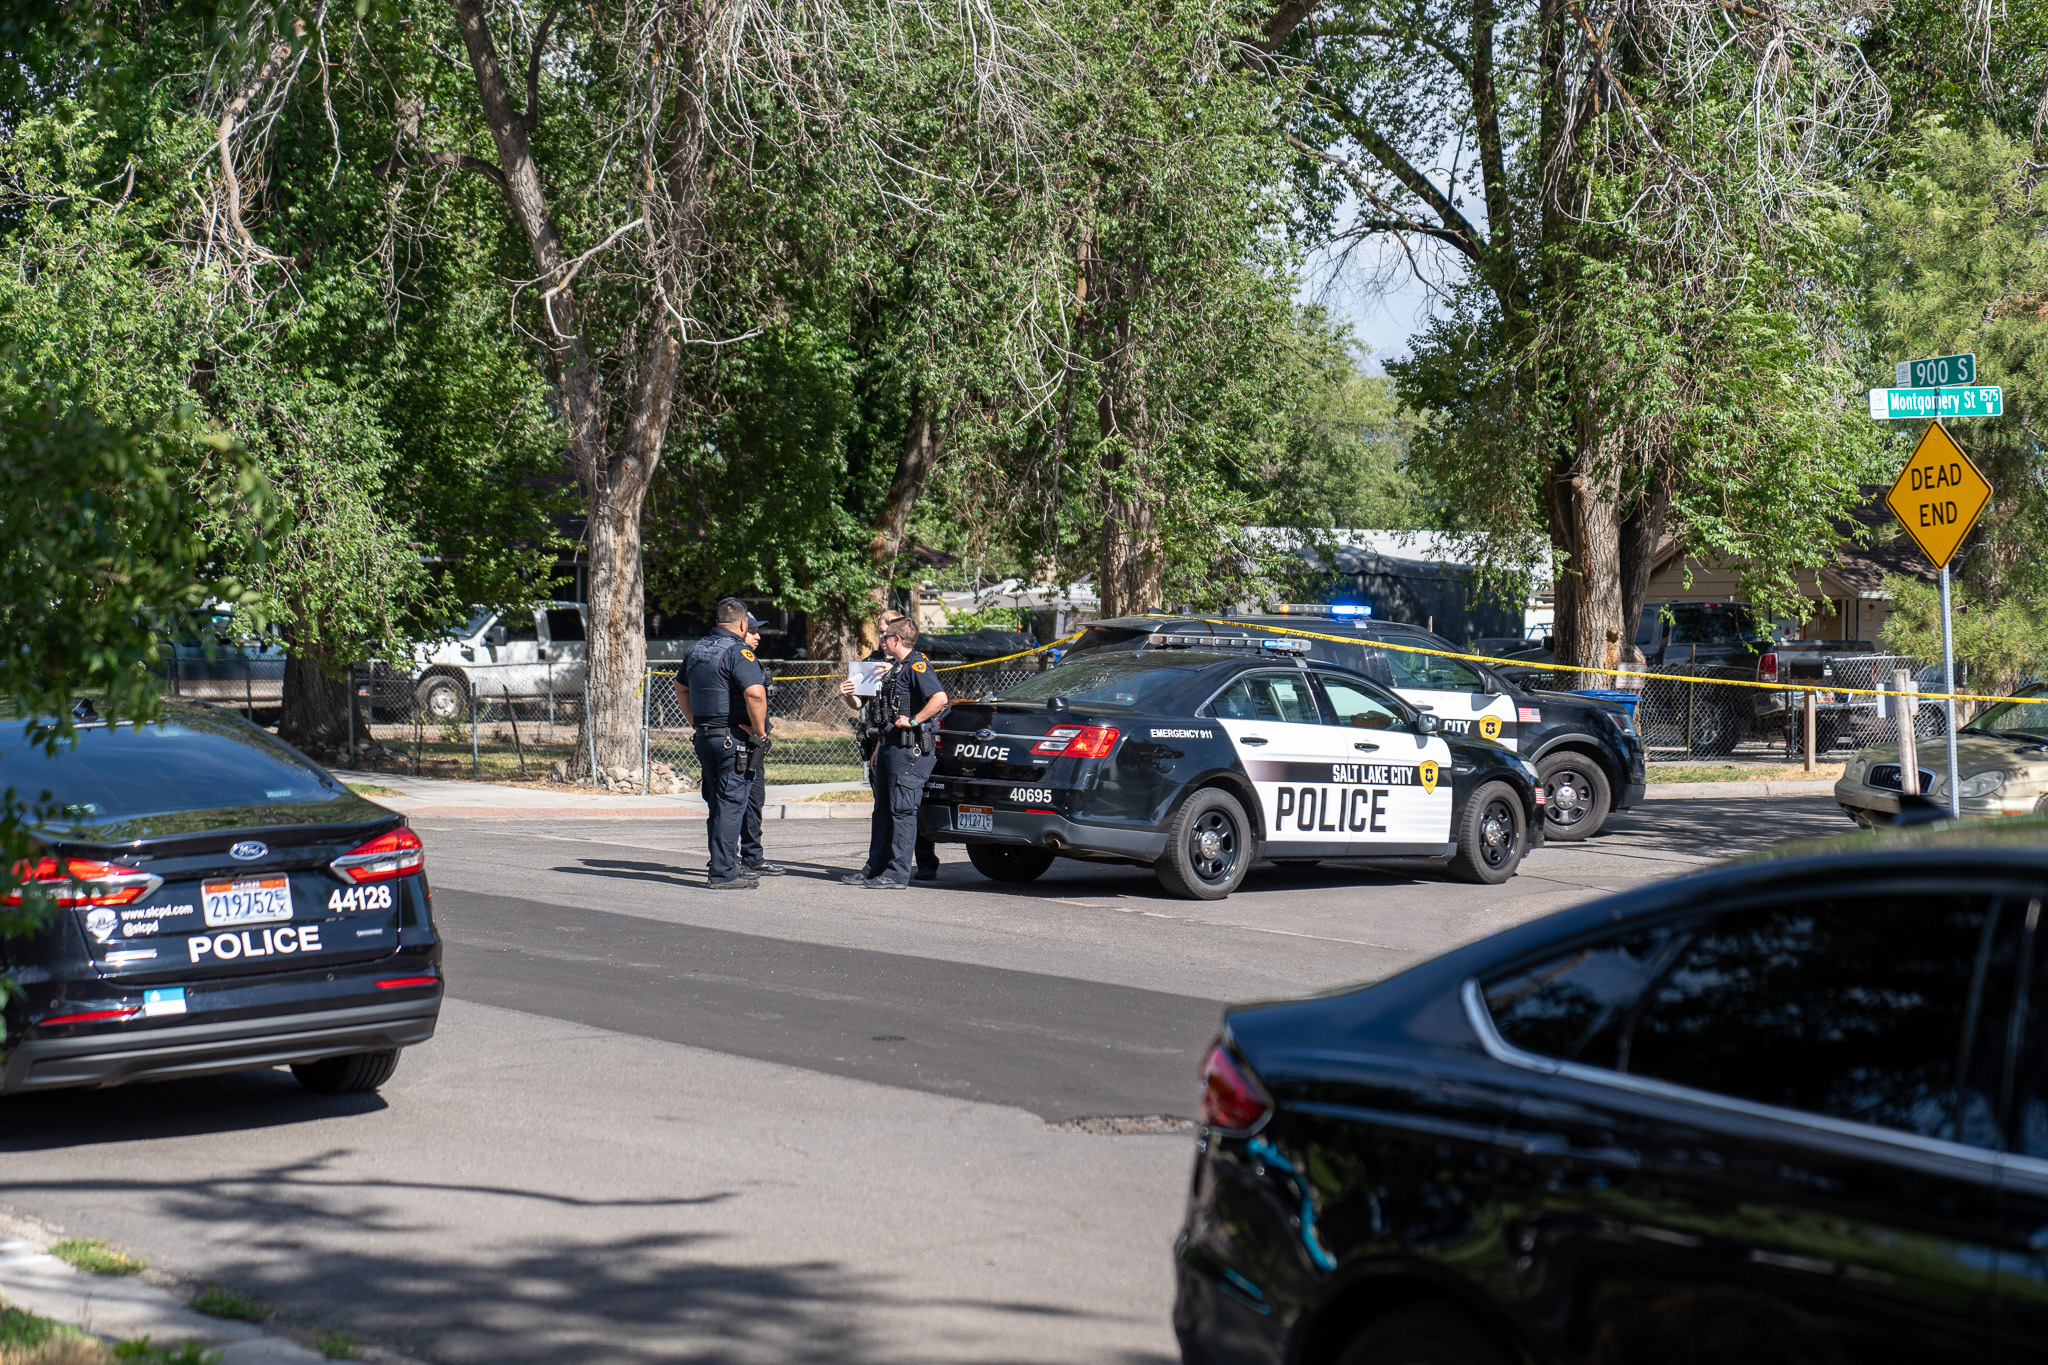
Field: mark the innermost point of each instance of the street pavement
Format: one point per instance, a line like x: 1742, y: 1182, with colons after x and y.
x: 807, y: 1123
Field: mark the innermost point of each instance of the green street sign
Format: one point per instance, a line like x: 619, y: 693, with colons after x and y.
x: 1937, y: 372
x: 1977, y: 400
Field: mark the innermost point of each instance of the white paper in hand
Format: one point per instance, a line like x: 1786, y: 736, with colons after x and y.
x: 867, y: 678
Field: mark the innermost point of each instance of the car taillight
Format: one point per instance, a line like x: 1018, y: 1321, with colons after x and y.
x: 84, y: 881
x: 1231, y: 1101
x: 89, y: 1017
x: 1767, y: 668
x: 400, y: 983
x: 397, y: 854
x: 1079, y: 741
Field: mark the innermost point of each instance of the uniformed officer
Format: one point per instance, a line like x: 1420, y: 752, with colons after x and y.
x: 753, y: 862
x: 874, y: 724
x: 912, y: 699
x: 726, y: 699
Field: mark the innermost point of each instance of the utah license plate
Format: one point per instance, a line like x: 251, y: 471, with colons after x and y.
x: 247, y: 900
x: 974, y: 819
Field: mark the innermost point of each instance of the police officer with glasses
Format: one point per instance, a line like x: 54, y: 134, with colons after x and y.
x: 726, y: 699
x: 912, y: 699
x: 753, y: 862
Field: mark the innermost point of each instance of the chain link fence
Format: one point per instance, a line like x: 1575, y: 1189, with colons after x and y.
x: 813, y: 728
x: 442, y: 727
x: 255, y: 687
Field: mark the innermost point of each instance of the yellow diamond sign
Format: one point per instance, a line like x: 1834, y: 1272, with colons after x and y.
x: 1939, y: 495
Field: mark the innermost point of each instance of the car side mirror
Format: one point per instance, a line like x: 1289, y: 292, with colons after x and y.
x: 1425, y: 725
x: 1490, y: 684
x: 497, y: 637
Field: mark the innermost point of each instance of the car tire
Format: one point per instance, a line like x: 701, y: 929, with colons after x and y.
x: 1492, y: 835
x: 1576, y: 796
x: 1861, y: 816
x: 442, y: 699
x: 1008, y: 863
x: 1428, y: 1334
x: 1208, y: 847
x: 350, y: 1075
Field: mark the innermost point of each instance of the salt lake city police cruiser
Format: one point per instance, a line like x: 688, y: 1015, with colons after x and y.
x: 1200, y: 763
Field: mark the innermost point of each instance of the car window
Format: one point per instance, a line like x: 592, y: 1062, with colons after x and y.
x: 192, y: 762
x: 1148, y: 681
x: 1427, y: 672
x: 519, y: 625
x: 1710, y: 623
x: 1646, y: 629
x: 2019, y: 717
x: 564, y: 623
x: 1855, y: 1006
x: 1267, y: 696
x: 1560, y: 1007
x: 1354, y: 706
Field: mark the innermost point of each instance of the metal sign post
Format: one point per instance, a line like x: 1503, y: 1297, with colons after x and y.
x: 1937, y: 498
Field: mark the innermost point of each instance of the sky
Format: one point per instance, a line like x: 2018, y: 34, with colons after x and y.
x: 1374, y: 287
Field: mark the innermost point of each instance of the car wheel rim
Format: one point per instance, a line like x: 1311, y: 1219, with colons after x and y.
x: 441, y: 703
x: 1213, y: 846
x: 1496, y: 834
x: 1565, y: 797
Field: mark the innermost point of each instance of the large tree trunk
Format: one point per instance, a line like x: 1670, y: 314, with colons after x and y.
x: 1642, y: 533
x: 1585, y: 527
x: 1130, y: 576
x: 315, y: 713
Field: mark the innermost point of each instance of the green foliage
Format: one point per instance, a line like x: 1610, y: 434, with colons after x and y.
x: 23, y: 1330
x: 93, y: 1256
x: 143, y: 1352
x: 2003, y: 643
x: 1341, y: 462
x: 217, y: 1301
x: 335, y: 1344
x: 1959, y: 262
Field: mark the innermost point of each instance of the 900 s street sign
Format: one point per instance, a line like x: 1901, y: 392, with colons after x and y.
x: 1938, y: 495
x: 1941, y: 371
x: 1979, y: 400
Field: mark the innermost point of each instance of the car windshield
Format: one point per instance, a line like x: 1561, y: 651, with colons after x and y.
x: 1114, y: 679
x: 1711, y: 623
x: 2025, y: 715
x: 476, y: 622
x: 189, y: 761
x: 1096, y: 639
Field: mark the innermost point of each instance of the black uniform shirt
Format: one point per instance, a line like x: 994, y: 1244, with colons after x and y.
x: 720, y: 668
x: 911, y: 684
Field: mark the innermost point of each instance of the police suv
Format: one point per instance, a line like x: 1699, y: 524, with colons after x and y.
x: 1586, y: 751
x: 1198, y: 763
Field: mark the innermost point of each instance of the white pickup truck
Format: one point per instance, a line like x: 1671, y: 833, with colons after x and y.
x: 536, y: 653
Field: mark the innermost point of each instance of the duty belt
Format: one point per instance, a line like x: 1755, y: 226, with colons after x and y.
x: 714, y: 727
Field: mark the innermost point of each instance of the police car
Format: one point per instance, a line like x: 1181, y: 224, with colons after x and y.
x: 1199, y: 763
x: 1586, y: 751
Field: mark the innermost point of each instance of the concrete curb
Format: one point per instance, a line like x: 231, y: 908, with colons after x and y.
x: 1702, y: 791
x: 123, y: 1308
x: 773, y: 810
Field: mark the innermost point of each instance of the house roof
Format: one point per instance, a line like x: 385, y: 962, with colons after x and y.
x: 1859, y: 568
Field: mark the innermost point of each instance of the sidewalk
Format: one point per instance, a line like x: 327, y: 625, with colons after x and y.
x: 489, y: 801
x: 432, y: 796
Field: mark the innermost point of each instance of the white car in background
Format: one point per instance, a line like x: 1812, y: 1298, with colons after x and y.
x: 532, y: 652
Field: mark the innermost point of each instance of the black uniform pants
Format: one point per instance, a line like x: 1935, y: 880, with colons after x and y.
x: 897, y: 777
x: 725, y: 792
x: 750, y: 827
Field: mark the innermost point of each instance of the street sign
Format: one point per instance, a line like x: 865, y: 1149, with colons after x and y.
x: 1977, y: 400
x: 1942, y: 371
x: 1938, y: 495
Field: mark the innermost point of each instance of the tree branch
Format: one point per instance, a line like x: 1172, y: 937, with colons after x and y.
x: 461, y: 161
x: 1442, y: 49
x: 230, y: 181
x: 1471, y: 241
x: 540, y: 41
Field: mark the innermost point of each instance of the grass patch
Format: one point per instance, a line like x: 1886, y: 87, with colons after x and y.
x: 371, y: 789
x: 852, y: 794
x: 1746, y: 772
x: 218, y: 1302
x: 143, y: 1353
x: 335, y: 1344
x: 95, y: 1257
x: 22, y: 1331
x: 27, y: 1339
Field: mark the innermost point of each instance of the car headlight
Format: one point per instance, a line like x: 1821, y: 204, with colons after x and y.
x: 1528, y: 770
x: 1854, y: 769
x: 1983, y: 784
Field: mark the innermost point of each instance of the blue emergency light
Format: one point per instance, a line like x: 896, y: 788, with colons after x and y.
x: 1349, y: 609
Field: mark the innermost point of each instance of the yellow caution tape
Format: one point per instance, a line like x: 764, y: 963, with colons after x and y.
x: 947, y: 668
x: 1239, y: 623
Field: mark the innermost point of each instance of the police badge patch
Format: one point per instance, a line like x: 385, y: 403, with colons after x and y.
x: 917, y: 667
x: 747, y: 654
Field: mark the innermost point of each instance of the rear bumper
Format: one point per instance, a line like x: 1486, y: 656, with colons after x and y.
x: 166, y: 1052
x: 1040, y: 829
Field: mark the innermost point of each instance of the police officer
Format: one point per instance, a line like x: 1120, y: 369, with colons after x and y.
x: 726, y: 699
x: 754, y: 863
x: 912, y: 699
x: 874, y: 725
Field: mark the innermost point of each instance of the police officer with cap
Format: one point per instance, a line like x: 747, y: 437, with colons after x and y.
x: 753, y: 862
x: 912, y: 699
x: 726, y: 699
x: 875, y: 724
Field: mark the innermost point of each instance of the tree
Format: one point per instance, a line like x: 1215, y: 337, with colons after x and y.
x: 1635, y: 196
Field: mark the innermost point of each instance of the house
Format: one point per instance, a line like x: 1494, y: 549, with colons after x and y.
x: 1417, y: 577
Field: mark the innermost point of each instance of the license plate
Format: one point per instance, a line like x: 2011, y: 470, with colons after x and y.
x: 248, y: 900
x: 974, y: 819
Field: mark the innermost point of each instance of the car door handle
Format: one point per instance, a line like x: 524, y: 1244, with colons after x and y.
x: 1250, y: 739
x: 1368, y: 748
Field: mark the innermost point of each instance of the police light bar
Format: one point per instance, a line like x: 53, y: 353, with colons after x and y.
x: 1162, y: 641
x: 1302, y: 609
x: 1285, y: 646
x: 1349, y: 609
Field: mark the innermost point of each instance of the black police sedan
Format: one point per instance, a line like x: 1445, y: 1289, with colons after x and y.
x: 1586, y: 750
x: 1793, y: 1109
x: 218, y: 903
x: 1199, y: 763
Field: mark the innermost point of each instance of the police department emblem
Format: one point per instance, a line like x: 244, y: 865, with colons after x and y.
x: 984, y: 734
x: 100, y: 924
x: 1489, y: 727
x: 747, y: 654
x: 918, y: 667
x: 1428, y: 772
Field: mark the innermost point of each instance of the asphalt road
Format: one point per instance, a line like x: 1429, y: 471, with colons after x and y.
x: 808, y: 1123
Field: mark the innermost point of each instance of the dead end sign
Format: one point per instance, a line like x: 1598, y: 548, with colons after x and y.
x: 1938, y: 495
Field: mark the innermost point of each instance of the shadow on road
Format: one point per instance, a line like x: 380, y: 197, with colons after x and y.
x: 237, y: 1102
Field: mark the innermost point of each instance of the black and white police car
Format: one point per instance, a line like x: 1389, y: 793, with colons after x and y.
x: 1199, y: 763
x: 1586, y: 750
